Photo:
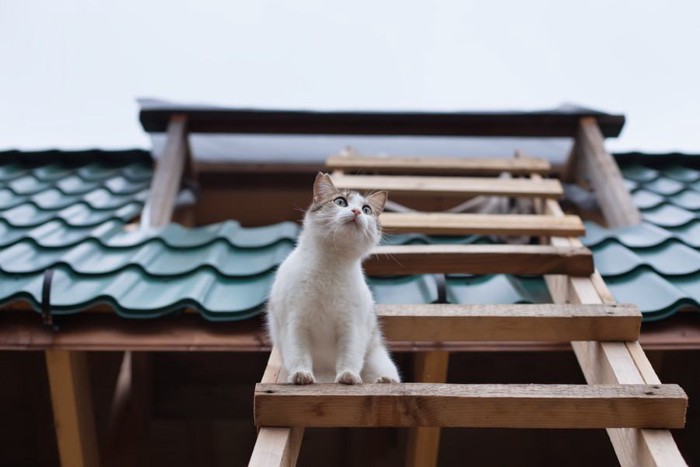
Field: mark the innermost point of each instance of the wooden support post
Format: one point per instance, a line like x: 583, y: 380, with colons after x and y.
x: 276, y: 447
x: 424, y: 442
x: 165, y: 185
x: 72, y: 408
x: 593, y: 161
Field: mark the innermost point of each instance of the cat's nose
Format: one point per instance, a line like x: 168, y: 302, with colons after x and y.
x: 355, y: 211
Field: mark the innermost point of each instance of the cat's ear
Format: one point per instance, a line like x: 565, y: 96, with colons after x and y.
x: 378, y: 200
x: 323, y: 187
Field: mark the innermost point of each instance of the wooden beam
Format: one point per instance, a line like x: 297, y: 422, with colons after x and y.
x: 276, y: 446
x: 556, y: 323
x: 612, y: 363
x: 604, y: 175
x: 106, y: 332
x: 222, y: 120
x: 461, y: 187
x: 423, y: 447
x: 71, y: 400
x: 471, y: 405
x: 167, y: 177
x: 481, y: 224
x: 479, y: 259
x: 438, y: 165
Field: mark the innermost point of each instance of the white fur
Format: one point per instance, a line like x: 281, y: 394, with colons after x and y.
x: 321, y: 312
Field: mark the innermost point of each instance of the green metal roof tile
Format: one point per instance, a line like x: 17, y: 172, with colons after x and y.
x: 498, y: 288
x: 682, y: 174
x: 11, y: 171
x: 639, y: 173
x: 642, y: 235
x: 671, y: 258
x: 664, y: 186
x: 134, y: 295
x: 154, y: 258
x: 420, y: 239
x: 686, y: 199
x: 657, y: 297
x: 77, y: 215
x: 405, y: 289
x: 668, y: 215
x: 688, y: 233
x: 644, y: 199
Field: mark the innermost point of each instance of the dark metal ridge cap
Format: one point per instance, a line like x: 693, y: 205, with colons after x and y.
x: 154, y: 117
x: 658, y: 160
x: 77, y: 156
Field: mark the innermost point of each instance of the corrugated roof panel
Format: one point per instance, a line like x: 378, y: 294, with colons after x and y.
x: 498, y: 288
x: 405, y: 289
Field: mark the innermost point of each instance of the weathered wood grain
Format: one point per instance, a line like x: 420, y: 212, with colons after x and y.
x: 438, y: 165
x: 541, y: 322
x: 451, y: 186
x: 479, y: 259
x: 481, y: 224
x: 471, y: 405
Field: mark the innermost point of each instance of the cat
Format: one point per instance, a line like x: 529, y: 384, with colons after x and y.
x: 320, y: 312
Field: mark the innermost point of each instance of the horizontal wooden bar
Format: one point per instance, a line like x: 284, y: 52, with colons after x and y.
x: 482, y: 224
x: 479, y: 259
x: 471, y: 405
x: 439, y: 165
x: 541, y: 322
x: 210, y: 119
x: 451, y: 186
x: 188, y: 332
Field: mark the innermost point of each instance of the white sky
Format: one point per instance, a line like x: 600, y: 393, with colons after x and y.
x: 70, y: 71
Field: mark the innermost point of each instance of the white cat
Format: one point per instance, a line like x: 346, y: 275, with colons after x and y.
x: 321, y: 312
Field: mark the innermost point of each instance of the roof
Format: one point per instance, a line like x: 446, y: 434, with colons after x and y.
x: 562, y: 121
x: 73, y: 213
x: 655, y: 264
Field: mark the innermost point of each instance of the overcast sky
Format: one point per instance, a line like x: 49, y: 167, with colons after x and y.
x: 71, y: 70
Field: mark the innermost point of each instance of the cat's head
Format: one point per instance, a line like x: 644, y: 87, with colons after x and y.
x: 344, y: 220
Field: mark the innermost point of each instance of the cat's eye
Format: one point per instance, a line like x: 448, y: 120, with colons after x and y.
x: 340, y: 201
x: 367, y: 210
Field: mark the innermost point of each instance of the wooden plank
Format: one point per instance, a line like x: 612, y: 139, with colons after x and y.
x: 276, y: 446
x: 439, y: 165
x: 165, y: 184
x: 479, y: 259
x: 423, y: 446
x: 232, y: 120
x: 556, y: 323
x: 601, y: 170
x: 471, y: 405
x: 482, y: 224
x: 71, y: 400
x: 612, y: 363
x: 451, y: 186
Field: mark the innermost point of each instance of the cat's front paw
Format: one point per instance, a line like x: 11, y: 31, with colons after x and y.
x: 301, y: 377
x: 348, y: 377
x: 386, y: 380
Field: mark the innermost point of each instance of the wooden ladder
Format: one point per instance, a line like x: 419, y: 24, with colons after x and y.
x: 623, y: 394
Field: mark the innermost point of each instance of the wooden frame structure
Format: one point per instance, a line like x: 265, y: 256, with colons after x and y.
x: 590, y: 326
x: 610, y: 364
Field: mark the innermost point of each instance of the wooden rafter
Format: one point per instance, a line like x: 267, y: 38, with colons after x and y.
x: 591, y: 160
x: 167, y: 177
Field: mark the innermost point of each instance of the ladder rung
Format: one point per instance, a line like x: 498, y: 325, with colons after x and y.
x: 479, y: 259
x: 489, y: 224
x: 471, y: 405
x: 439, y: 165
x: 542, y: 322
x: 451, y: 186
